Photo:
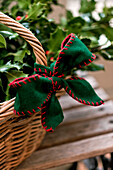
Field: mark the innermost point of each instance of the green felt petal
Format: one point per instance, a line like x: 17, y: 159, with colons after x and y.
x: 32, y: 92
x: 73, y: 53
x: 81, y: 90
x: 52, y: 114
x: 52, y: 66
x: 40, y: 69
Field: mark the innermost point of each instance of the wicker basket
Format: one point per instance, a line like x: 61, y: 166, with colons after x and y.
x: 19, y: 137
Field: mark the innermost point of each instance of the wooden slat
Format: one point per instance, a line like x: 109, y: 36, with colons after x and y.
x: 67, y: 153
x: 87, y: 113
x: 68, y: 102
x: 78, y: 131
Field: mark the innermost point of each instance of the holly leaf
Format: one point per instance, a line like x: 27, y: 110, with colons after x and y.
x: 108, y: 31
x: 2, y: 42
x: 4, y: 28
x: 86, y: 41
x: 19, y: 55
x: 13, y: 36
x: 87, y: 6
x: 1, y: 86
x: 36, y: 10
x: 6, y: 33
x: 76, y: 20
x: 56, y: 39
x: 2, y: 93
x: 75, y: 25
x: 93, y: 67
x: 63, y: 22
x: 69, y: 15
x: 8, y: 66
x: 106, y: 55
x: 13, y: 74
x: 24, y: 4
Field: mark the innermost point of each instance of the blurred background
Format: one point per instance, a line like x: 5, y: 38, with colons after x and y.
x: 105, y: 78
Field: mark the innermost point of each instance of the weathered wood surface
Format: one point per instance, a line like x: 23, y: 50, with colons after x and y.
x: 67, y: 153
x: 85, y: 132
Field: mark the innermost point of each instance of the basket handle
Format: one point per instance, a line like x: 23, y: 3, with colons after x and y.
x: 27, y: 35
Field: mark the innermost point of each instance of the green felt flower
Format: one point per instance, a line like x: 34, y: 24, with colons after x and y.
x: 37, y: 92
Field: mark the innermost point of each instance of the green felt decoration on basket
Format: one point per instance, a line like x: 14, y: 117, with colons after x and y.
x: 37, y: 92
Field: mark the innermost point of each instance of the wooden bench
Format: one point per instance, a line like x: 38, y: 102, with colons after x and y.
x: 85, y: 132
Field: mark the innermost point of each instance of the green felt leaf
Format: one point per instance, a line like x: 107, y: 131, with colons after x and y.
x: 2, y: 42
x: 36, y: 10
x: 57, y: 37
x: 35, y: 91
x: 76, y: 54
x: 82, y: 91
x: 54, y: 115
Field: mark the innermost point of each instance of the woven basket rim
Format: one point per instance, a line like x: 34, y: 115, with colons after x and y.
x: 37, y: 49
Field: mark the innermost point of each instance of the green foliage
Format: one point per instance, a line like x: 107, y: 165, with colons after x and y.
x: 56, y: 39
x: 16, y: 55
x: 2, y: 42
x: 94, y: 67
x: 87, y: 6
x: 36, y: 10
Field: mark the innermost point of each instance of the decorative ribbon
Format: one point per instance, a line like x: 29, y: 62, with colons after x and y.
x: 37, y: 92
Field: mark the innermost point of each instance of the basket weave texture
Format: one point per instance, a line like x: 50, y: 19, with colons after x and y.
x: 19, y: 136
